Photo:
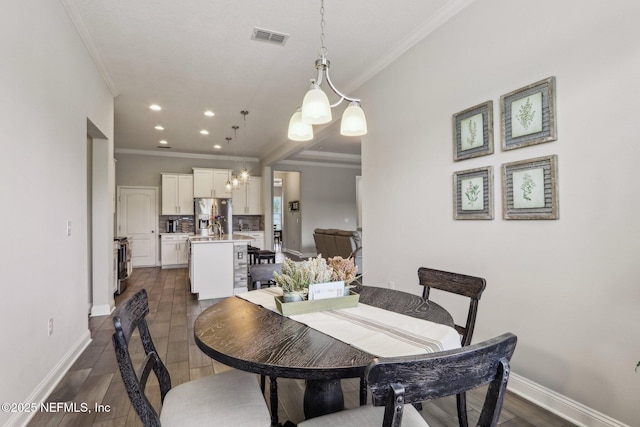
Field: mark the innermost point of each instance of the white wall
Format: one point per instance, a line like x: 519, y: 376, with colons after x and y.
x: 568, y: 288
x: 50, y: 87
x: 327, y: 200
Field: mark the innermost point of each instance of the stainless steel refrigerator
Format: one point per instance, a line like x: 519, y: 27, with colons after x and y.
x: 206, y: 209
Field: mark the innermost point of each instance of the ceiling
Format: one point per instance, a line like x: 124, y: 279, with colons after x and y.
x: 197, y: 55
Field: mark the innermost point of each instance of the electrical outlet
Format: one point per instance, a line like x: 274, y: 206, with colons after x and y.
x: 392, y: 284
x: 50, y: 331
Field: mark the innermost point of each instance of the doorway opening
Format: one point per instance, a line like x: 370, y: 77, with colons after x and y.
x: 287, y: 222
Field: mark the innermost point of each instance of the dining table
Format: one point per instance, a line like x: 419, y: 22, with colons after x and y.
x: 247, y: 336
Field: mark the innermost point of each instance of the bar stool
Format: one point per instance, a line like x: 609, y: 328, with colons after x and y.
x: 266, y: 255
x: 252, y: 253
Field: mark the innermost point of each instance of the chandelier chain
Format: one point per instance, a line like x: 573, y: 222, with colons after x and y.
x: 323, y: 48
x: 244, y: 135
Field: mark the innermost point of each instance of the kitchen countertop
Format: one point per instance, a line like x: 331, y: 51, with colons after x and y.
x: 218, y: 239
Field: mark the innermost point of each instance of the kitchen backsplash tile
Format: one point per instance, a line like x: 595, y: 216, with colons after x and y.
x: 185, y: 223
x: 247, y: 223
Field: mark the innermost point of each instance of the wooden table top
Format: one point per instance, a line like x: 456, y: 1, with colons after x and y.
x: 249, y: 337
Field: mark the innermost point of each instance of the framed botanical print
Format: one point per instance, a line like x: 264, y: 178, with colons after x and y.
x: 473, y: 132
x: 529, y: 115
x: 529, y: 189
x: 473, y: 193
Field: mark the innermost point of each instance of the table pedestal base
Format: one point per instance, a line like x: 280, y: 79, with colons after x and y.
x: 322, y: 397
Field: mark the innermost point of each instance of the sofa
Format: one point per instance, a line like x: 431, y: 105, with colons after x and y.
x: 332, y: 242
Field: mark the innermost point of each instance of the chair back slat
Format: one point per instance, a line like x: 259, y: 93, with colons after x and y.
x: 129, y: 317
x: 460, y: 284
x: 131, y: 313
x: 436, y: 375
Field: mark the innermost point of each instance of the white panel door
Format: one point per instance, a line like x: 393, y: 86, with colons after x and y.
x: 137, y: 220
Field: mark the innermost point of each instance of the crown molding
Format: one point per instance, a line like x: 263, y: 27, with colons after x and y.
x: 445, y: 13
x: 314, y: 154
x: 322, y: 164
x: 87, y: 39
x: 184, y: 155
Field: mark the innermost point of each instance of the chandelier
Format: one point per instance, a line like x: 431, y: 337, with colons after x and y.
x: 244, y: 172
x: 235, y: 181
x: 316, y: 109
x: 228, y: 187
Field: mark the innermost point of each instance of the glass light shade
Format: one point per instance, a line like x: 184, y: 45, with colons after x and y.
x: 299, y: 130
x: 316, y: 109
x: 244, y: 175
x: 228, y: 187
x: 235, y: 183
x: 353, y: 123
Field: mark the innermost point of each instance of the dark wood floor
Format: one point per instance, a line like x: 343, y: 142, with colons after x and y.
x: 94, y: 378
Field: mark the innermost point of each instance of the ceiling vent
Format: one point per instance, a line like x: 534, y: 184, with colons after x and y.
x: 269, y: 36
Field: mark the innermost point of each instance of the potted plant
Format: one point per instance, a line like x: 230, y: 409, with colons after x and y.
x: 296, y: 277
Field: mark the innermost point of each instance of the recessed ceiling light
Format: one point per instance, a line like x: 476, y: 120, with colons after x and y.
x: 155, y: 107
x: 217, y: 146
x: 209, y: 113
x: 204, y: 132
x: 163, y: 142
x: 159, y: 127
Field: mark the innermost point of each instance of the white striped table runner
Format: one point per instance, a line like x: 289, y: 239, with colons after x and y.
x: 379, y: 332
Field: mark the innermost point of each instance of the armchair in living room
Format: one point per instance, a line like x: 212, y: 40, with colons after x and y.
x: 345, y: 243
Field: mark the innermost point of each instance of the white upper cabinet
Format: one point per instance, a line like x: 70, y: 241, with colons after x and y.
x: 254, y: 195
x: 210, y: 182
x: 220, y: 178
x: 177, y: 194
x: 202, y: 182
x: 247, y: 200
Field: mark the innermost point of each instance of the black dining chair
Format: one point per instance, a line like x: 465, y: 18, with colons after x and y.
x: 262, y: 274
x: 460, y: 284
x: 397, y: 382
x: 231, y: 398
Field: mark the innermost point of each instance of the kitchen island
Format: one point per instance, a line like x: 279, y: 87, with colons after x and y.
x: 218, y: 265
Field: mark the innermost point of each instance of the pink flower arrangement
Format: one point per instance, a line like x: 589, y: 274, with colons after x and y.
x: 343, y: 269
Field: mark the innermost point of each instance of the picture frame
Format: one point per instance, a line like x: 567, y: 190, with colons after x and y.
x: 530, y: 189
x: 294, y: 206
x: 473, y: 193
x: 473, y: 132
x: 528, y: 115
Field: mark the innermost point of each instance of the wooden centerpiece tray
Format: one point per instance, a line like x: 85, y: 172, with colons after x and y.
x: 302, y: 307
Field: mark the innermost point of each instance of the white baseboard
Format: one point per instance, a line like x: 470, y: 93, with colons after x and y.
x: 102, y: 310
x: 49, y: 383
x: 560, y: 405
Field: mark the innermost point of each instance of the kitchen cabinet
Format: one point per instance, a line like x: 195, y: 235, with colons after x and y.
x: 212, y: 269
x: 247, y: 200
x: 177, y: 194
x: 174, y: 250
x: 210, y: 182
